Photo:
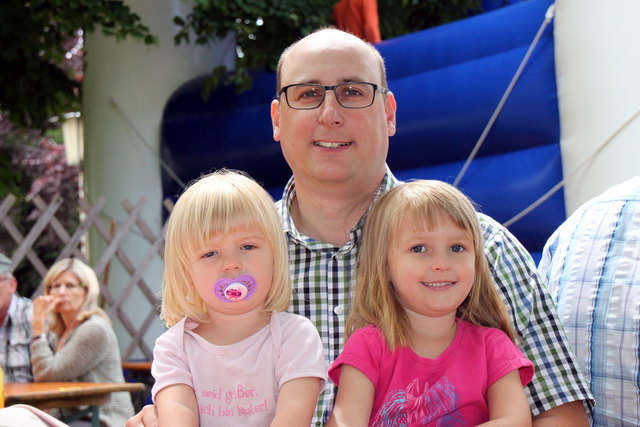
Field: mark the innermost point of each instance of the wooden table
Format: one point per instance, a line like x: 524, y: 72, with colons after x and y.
x: 47, y: 395
x: 137, y: 365
x: 139, y: 371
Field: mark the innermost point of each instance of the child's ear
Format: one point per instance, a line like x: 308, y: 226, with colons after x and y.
x: 388, y: 275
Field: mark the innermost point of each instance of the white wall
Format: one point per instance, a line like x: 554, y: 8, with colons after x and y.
x: 597, y: 65
x: 122, y: 142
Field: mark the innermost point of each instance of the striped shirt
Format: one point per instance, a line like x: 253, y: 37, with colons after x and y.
x: 15, y: 341
x: 592, y: 266
x: 324, y: 275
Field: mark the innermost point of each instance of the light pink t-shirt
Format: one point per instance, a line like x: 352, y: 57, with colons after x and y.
x: 238, y: 384
x: 450, y: 390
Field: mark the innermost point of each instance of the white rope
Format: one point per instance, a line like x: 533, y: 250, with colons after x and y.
x: 547, y: 19
x: 162, y: 163
x: 567, y: 177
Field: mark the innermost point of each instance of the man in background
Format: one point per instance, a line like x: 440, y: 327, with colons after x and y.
x: 16, y: 313
x: 592, y: 267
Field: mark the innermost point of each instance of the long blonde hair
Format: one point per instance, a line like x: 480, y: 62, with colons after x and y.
x: 218, y: 203
x: 88, y: 280
x: 375, y: 301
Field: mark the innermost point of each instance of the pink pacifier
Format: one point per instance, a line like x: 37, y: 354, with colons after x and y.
x: 234, y: 290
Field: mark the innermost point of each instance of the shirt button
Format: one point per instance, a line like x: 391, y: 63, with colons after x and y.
x: 338, y: 309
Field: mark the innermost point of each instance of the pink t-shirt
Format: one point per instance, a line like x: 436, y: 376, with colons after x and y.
x: 448, y: 390
x: 238, y: 384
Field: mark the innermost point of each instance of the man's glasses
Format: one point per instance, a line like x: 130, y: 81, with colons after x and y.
x: 56, y: 287
x: 307, y: 96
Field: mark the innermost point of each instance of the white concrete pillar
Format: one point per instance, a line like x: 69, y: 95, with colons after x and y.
x: 597, y: 65
x: 126, y: 86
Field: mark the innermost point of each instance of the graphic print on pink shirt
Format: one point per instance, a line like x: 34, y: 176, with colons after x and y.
x: 405, y: 407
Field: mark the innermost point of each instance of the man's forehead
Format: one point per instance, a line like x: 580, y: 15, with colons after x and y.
x: 330, y: 37
x: 330, y: 42
x: 352, y: 57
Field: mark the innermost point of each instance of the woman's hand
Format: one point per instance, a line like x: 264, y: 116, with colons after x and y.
x: 42, y: 307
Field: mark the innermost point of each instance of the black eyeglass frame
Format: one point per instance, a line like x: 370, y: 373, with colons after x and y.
x: 376, y: 88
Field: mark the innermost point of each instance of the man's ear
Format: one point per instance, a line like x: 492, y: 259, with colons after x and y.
x: 390, y: 111
x: 13, y: 284
x: 275, y: 119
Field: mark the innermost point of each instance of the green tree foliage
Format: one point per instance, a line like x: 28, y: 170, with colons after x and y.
x: 399, y: 17
x: 35, y: 165
x: 35, y: 85
x: 41, y: 77
x: 264, y: 28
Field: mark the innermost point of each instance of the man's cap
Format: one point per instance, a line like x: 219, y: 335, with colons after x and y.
x: 5, y: 264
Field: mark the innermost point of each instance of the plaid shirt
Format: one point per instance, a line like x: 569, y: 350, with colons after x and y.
x: 323, y: 276
x: 592, y: 266
x: 15, y: 341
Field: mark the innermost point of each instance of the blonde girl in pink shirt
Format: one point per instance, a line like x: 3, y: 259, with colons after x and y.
x: 428, y: 338
x: 231, y: 355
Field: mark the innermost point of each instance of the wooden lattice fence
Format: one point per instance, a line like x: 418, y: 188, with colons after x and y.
x: 113, y: 238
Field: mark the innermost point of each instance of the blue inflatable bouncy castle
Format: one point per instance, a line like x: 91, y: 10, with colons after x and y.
x: 448, y: 82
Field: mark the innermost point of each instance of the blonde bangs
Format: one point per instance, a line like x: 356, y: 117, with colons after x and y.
x: 425, y: 202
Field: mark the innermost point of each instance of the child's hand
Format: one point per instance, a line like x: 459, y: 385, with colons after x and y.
x: 147, y: 417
